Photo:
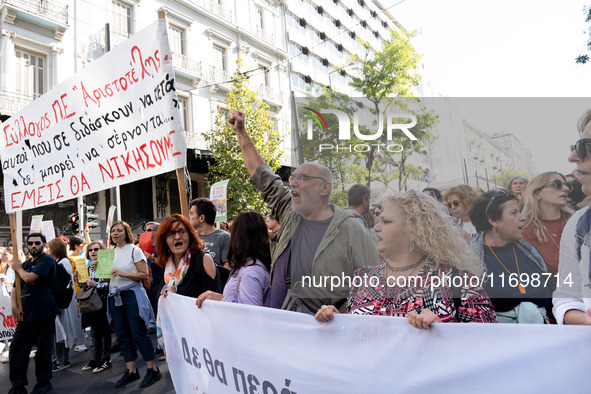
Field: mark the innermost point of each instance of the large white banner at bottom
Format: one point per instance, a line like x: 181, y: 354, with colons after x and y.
x: 231, y: 348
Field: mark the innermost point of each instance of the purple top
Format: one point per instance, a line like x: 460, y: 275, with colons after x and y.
x: 249, y: 285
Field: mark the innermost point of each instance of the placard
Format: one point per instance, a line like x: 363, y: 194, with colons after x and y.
x: 114, y: 122
x: 104, y: 264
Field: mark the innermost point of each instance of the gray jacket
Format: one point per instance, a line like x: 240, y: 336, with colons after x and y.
x: 346, y: 245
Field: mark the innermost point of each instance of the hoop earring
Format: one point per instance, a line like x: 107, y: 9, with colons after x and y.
x: 412, y: 245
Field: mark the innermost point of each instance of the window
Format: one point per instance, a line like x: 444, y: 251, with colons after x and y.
x: 30, y: 73
x: 259, y: 17
x: 122, y: 19
x: 177, y: 40
x: 184, y: 109
x: 219, y: 57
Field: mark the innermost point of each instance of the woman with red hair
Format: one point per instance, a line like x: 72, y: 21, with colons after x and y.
x: 188, y: 270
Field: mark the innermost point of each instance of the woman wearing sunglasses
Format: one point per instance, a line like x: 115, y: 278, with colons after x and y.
x: 516, y: 278
x: 98, y: 319
x: 459, y: 200
x: 420, y: 242
x: 572, y: 301
x: 544, y: 207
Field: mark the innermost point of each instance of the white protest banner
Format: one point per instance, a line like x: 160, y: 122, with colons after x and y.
x: 114, y: 122
x: 218, y: 194
x: 7, y: 321
x: 232, y: 348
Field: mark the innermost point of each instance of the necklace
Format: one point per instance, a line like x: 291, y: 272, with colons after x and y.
x: 519, y: 286
x: 553, y: 235
x: 406, y: 268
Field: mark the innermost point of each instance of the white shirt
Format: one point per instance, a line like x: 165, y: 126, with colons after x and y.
x: 124, y: 261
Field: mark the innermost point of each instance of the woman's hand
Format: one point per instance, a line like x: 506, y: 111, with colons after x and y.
x: 75, y: 275
x: 117, y: 272
x: 326, y: 313
x: 166, y: 290
x: 422, y: 318
x: 208, y: 295
x: 91, y: 283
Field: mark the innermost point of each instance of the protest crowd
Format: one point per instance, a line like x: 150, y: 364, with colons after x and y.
x: 514, y: 255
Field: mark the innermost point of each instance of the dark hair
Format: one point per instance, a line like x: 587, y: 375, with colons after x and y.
x: 40, y: 235
x: 100, y: 245
x: 250, y: 239
x: 58, y: 249
x: 75, y: 241
x: 436, y: 193
x: 204, y: 206
x: 129, y: 238
x: 479, y: 215
x: 576, y: 194
x: 164, y: 253
x: 356, y: 194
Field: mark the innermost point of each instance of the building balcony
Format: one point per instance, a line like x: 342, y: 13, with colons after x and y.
x: 117, y: 37
x: 215, y: 8
x: 43, y: 9
x: 269, y: 94
x: 49, y: 14
x: 186, y: 65
x: 263, y: 35
x: 218, y: 75
x: 12, y: 102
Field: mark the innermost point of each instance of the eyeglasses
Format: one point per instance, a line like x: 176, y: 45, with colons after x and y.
x: 377, y: 213
x: 455, y: 203
x: 94, y: 250
x: 558, y: 185
x: 495, y: 194
x: 303, y: 177
x: 149, y: 230
x: 31, y: 243
x: 583, y: 147
x: 173, y: 233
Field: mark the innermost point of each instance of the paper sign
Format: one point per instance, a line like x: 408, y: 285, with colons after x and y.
x: 218, y: 194
x: 82, y: 269
x: 110, y: 218
x: 114, y: 122
x: 48, y: 230
x: 36, y: 223
x: 145, y: 243
x: 104, y: 265
x: 7, y: 321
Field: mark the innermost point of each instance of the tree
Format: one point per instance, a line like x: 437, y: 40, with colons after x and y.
x: 391, y: 72
x: 322, y: 145
x: 228, y: 161
x: 584, y: 58
x: 503, y: 177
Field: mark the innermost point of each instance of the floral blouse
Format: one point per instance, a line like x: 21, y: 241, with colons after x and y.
x: 429, y: 288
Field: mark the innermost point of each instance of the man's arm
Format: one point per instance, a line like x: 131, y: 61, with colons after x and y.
x: 28, y: 277
x: 252, y: 157
x: 16, y: 312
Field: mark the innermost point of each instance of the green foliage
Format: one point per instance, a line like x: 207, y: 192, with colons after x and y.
x: 502, y: 178
x: 584, y: 58
x: 345, y: 167
x: 228, y: 162
x: 383, y: 75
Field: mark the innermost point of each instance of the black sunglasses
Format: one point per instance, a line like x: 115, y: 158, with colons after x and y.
x: 583, y: 147
x: 495, y: 194
x: 31, y: 243
x: 94, y: 250
x: 558, y: 185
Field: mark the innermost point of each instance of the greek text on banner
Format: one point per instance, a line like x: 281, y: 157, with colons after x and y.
x: 114, y: 122
x: 232, y: 348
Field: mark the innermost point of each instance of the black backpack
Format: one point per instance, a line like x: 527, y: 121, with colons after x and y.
x: 64, y: 289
